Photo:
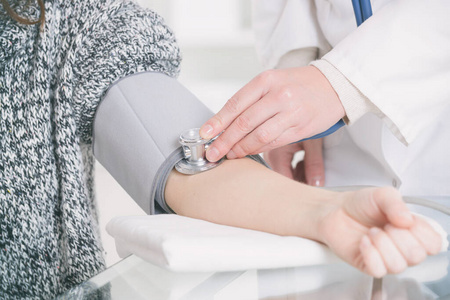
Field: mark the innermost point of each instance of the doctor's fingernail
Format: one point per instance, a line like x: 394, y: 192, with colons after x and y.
x: 316, y: 181
x: 206, y: 131
x: 212, y: 154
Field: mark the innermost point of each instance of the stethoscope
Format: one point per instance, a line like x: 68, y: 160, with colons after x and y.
x: 194, y: 151
x: 363, y: 11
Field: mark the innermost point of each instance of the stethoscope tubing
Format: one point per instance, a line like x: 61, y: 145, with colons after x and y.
x: 428, y: 203
x: 362, y: 9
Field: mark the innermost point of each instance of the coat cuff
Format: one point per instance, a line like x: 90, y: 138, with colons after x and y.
x: 355, y: 103
x: 298, y: 58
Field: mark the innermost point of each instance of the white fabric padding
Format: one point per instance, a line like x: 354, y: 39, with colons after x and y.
x: 184, y: 244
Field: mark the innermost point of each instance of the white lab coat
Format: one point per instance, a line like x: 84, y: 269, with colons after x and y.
x: 400, y: 59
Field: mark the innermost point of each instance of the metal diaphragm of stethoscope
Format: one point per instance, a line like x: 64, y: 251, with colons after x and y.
x: 194, y: 149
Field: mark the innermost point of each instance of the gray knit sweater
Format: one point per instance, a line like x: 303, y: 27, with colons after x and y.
x: 51, y: 82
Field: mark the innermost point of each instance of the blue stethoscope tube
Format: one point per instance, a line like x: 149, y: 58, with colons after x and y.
x: 363, y: 10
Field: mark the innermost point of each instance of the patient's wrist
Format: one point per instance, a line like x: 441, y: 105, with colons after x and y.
x: 245, y: 194
x: 316, y: 206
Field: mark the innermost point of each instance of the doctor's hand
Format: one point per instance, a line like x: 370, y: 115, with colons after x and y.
x: 310, y: 170
x: 276, y: 108
x: 373, y: 230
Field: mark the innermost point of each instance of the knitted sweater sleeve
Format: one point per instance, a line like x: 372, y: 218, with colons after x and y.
x: 129, y: 40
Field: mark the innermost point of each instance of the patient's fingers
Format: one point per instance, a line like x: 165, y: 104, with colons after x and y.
x: 373, y: 263
x: 411, y: 249
x: 377, y: 207
x: 427, y: 236
x: 390, y: 202
x: 393, y: 259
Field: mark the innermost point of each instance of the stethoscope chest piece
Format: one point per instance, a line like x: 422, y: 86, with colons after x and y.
x: 194, y: 148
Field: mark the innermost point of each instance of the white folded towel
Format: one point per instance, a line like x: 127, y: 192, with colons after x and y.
x: 190, y: 245
x: 185, y: 244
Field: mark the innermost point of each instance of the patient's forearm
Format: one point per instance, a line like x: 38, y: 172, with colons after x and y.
x: 371, y: 229
x: 246, y: 194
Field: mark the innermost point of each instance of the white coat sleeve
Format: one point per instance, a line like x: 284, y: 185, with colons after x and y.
x: 354, y: 102
x: 282, y: 26
x: 400, y: 59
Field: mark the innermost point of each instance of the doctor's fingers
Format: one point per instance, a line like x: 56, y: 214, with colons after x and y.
x: 237, y: 104
x: 280, y: 159
x: 313, y: 162
x: 293, y: 122
x: 287, y: 137
x: 299, y: 172
x: 256, y: 127
x: 310, y: 169
x: 243, y: 126
x: 274, y: 133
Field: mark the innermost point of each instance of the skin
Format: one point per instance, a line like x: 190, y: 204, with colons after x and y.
x: 310, y: 170
x: 371, y: 229
x: 274, y: 109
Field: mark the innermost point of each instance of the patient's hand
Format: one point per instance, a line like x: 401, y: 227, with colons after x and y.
x: 374, y: 231
x: 243, y: 193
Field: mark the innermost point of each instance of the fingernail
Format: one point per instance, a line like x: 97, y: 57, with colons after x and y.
x: 406, y: 216
x: 231, y: 155
x: 212, y: 154
x: 374, y: 231
x: 417, y: 254
x: 365, y: 242
x: 206, y: 131
x: 315, y: 181
x: 379, y: 270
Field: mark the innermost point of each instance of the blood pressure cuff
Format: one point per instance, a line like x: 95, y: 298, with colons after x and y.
x: 136, y: 130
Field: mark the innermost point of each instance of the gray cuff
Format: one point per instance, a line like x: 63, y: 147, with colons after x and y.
x: 136, y: 130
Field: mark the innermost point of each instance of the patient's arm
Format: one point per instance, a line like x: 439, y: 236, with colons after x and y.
x: 135, y: 139
x: 371, y: 229
x: 246, y: 194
